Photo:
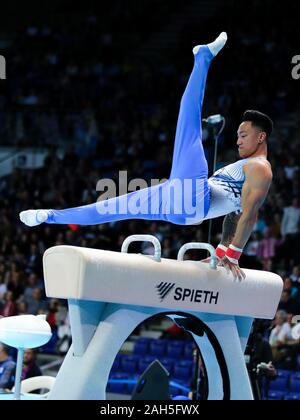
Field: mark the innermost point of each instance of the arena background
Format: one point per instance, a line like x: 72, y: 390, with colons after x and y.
x: 94, y: 89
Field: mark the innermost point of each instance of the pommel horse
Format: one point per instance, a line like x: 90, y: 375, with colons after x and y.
x: 111, y: 293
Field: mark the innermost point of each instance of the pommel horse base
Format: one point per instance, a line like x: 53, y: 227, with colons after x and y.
x: 111, y: 293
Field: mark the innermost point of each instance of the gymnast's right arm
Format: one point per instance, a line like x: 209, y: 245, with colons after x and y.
x: 229, y: 227
x: 230, y: 223
x: 84, y: 215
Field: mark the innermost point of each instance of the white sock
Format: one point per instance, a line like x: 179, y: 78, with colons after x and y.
x: 216, y: 46
x: 33, y: 217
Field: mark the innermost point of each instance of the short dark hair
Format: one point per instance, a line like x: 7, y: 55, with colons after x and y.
x: 5, y: 348
x: 259, y: 120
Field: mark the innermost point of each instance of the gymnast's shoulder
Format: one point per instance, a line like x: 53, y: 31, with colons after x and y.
x: 261, y: 168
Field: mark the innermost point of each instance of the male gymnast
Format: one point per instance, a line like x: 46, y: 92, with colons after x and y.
x: 189, y: 197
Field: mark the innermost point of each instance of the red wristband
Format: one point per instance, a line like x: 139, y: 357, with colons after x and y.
x: 221, y: 250
x: 233, y: 254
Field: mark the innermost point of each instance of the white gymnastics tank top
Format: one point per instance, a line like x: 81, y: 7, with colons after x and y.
x: 226, y: 189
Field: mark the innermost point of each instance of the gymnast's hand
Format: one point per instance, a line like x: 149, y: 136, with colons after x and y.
x: 234, y: 268
x: 33, y: 217
x: 208, y: 260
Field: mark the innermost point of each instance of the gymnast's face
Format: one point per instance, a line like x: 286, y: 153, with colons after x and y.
x: 249, y: 139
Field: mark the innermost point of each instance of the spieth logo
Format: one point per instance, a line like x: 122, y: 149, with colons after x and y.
x: 187, y: 295
x: 164, y: 289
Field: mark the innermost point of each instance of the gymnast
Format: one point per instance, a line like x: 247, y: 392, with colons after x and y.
x: 189, y: 197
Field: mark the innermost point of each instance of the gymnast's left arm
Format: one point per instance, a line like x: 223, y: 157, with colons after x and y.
x: 256, y: 187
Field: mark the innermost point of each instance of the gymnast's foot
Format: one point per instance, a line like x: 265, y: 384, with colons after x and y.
x: 216, y: 46
x: 33, y: 217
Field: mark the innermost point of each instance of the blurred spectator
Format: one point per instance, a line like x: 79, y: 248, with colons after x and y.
x: 64, y: 336
x: 15, y: 284
x: 51, y: 317
x: 279, y: 336
x: 9, y: 307
x: 292, y: 351
x: 251, y: 251
x: 259, y: 351
x: 22, y: 308
x: 267, y: 249
x: 290, y: 230
x: 287, y: 303
x: 3, y: 287
x: 295, y: 276
x: 260, y: 225
x: 32, y: 283
x: 275, y: 226
x: 291, y: 168
x: 34, y: 259
x: 37, y: 303
x: 7, y: 368
x: 291, y: 219
x: 288, y: 286
x: 30, y: 367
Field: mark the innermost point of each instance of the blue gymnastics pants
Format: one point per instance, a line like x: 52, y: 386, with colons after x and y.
x: 185, y: 198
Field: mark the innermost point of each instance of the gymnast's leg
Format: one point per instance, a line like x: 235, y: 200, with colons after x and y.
x: 188, y: 163
x: 188, y: 157
x: 143, y: 204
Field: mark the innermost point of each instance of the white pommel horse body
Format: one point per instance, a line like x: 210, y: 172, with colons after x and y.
x: 111, y: 293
